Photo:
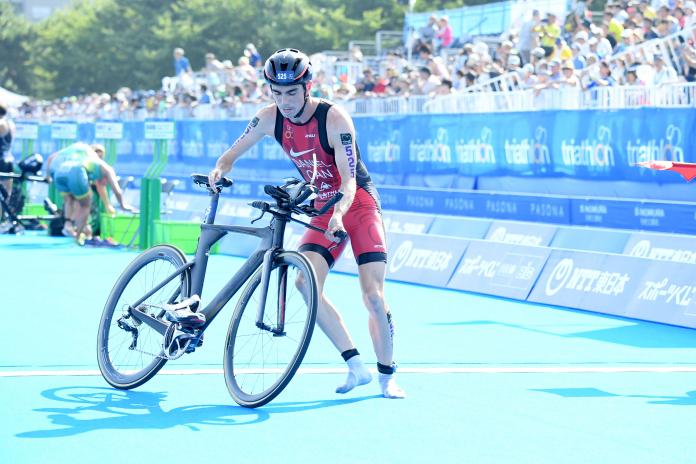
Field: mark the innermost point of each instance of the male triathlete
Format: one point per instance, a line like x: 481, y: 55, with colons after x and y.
x: 73, y: 169
x: 319, y: 138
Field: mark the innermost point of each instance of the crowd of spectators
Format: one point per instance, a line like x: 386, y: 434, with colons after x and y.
x: 219, y: 84
x: 543, y: 51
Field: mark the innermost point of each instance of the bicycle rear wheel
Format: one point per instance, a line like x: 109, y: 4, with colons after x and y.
x: 258, y: 363
x: 130, y: 352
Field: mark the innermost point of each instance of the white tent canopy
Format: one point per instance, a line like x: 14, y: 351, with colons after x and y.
x: 10, y: 98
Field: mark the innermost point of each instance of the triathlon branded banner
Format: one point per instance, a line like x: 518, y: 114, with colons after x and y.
x: 499, y: 269
x: 579, y: 144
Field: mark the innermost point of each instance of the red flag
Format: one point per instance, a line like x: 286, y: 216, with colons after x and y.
x: 686, y: 170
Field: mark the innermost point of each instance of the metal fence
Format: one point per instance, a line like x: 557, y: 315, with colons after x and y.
x: 681, y: 95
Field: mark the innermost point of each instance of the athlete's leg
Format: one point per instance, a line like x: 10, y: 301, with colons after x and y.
x: 380, y: 325
x: 328, y: 318
x: 69, y: 214
x: 372, y: 285
x: 331, y: 323
x: 82, y: 209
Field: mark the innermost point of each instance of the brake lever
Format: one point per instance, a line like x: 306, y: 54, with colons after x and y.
x: 263, y: 213
x: 259, y: 205
x: 341, y: 235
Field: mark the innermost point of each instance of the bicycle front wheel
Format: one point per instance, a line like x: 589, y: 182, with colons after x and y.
x: 129, y: 351
x: 260, y: 361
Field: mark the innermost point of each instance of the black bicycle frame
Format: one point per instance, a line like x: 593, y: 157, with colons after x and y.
x: 271, y: 241
x: 15, y: 216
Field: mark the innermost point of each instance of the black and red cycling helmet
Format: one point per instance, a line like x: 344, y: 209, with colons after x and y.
x: 288, y: 67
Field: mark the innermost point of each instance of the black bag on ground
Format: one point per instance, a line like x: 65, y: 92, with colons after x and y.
x: 55, y: 226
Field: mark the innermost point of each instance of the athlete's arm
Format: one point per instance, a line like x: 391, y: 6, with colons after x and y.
x: 110, y: 176
x: 104, y: 196
x: 47, y: 166
x: 341, y: 134
x: 261, y: 124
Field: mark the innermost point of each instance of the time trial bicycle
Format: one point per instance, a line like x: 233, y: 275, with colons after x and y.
x: 153, y: 313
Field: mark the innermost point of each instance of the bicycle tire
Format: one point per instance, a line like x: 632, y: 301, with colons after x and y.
x: 234, y: 366
x: 116, y: 376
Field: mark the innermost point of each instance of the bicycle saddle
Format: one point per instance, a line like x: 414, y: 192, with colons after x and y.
x: 202, y: 179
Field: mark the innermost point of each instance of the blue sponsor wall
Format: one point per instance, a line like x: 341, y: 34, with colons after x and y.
x: 442, y: 150
x: 558, y: 167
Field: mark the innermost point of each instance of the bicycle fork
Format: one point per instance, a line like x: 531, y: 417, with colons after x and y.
x: 279, y: 329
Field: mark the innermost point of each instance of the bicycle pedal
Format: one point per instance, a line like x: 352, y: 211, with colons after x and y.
x: 185, y: 317
x: 190, y: 303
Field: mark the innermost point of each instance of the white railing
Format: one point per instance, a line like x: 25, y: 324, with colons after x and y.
x: 681, y: 95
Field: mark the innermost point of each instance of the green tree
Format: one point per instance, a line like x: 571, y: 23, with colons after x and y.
x: 101, y: 45
x: 96, y: 46
x: 15, y: 37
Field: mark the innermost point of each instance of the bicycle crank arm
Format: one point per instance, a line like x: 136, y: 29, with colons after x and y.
x: 143, y: 317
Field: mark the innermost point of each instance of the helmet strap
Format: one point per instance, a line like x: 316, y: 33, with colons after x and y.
x: 304, y: 105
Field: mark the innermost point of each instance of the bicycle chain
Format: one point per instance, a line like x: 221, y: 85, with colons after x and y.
x: 157, y: 356
x: 148, y: 306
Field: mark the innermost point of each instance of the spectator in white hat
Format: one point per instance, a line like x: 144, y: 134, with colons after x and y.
x: 568, y: 77
x: 503, y: 51
x: 664, y: 73
x: 632, y: 78
x: 527, y: 77
x: 578, y: 59
x: 626, y: 41
x: 513, y: 63
x: 537, y: 56
x: 581, y: 39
